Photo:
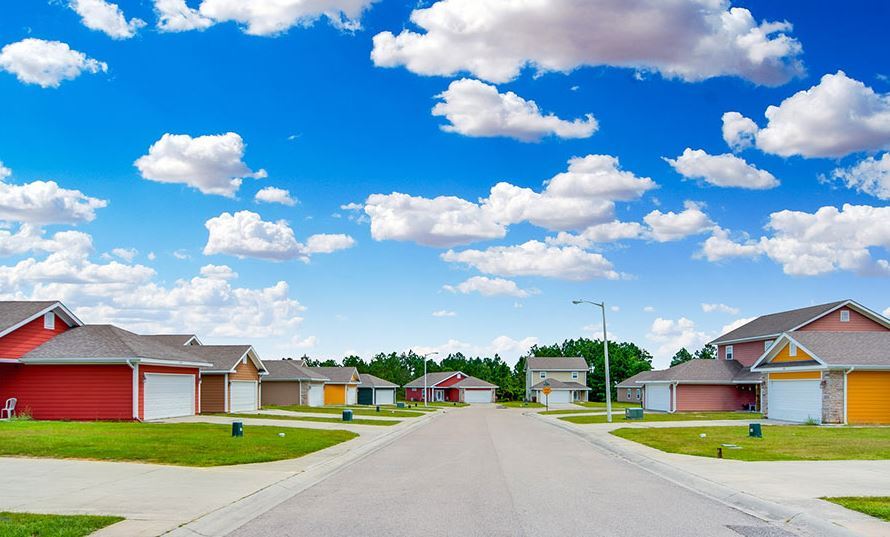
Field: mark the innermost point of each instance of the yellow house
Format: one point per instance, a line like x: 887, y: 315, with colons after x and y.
x: 341, y: 388
x: 827, y: 377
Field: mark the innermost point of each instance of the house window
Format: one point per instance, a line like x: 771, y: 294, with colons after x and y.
x: 543, y: 374
x: 49, y: 321
x: 767, y: 344
x: 574, y: 375
x: 728, y: 352
x: 792, y: 349
x: 629, y: 391
x: 638, y: 393
x: 845, y: 316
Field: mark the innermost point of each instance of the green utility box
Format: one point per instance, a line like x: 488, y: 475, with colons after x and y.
x: 754, y: 431
x: 633, y: 413
x: 400, y: 405
x: 347, y: 415
x: 237, y: 429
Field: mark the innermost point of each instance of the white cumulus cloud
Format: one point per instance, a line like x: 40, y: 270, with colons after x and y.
x: 444, y: 313
x: 271, y: 194
x: 486, y: 286
x: 726, y: 170
x: 719, y: 308
x: 106, y: 17
x: 272, y: 17
x: 212, y: 164
x: 326, y: 243
x: 671, y: 226
x: 46, y: 63
x: 45, y: 202
x: 687, y: 39
x: 870, y: 176
x: 738, y: 131
x: 477, y: 109
x: 672, y: 335
x: 534, y: 258
x: 177, y: 16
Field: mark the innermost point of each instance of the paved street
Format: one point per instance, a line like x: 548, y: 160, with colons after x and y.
x: 487, y: 471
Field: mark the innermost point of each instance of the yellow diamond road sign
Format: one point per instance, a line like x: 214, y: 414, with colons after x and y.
x: 547, y: 390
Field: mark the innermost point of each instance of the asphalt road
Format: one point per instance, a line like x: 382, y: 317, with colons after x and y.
x: 491, y: 472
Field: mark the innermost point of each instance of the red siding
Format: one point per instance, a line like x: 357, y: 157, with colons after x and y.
x: 28, y: 337
x: 416, y: 394
x: 832, y: 323
x: 744, y: 353
x: 171, y: 370
x: 69, y: 392
x: 695, y: 397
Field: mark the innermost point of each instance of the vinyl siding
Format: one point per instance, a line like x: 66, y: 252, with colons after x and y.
x: 28, y: 337
x: 563, y: 376
x: 244, y: 371
x: 832, y: 323
x: 335, y: 394
x: 714, y: 397
x: 868, y: 397
x: 744, y: 353
x: 624, y: 397
x: 282, y: 393
x: 784, y: 355
x: 143, y: 369
x: 69, y: 392
x: 213, y: 393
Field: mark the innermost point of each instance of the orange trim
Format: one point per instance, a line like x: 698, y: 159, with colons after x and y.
x: 796, y: 375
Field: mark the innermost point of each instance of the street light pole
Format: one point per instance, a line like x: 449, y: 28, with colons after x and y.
x: 602, y: 305
x: 425, y: 356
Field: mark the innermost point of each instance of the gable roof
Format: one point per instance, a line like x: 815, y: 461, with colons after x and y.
x: 632, y: 382
x: 175, y: 339
x: 370, y: 381
x: 775, y: 324
x: 433, y: 378
x: 473, y: 382
x: 108, y: 343
x: 337, y: 375
x: 833, y: 349
x: 15, y: 313
x: 701, y: 371
x: 560, y: 385
x: 536, y: 363
x: 289, y: 370
x: 224, y: 358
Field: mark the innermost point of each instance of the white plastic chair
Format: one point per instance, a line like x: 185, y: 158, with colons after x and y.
x: 9, y: 409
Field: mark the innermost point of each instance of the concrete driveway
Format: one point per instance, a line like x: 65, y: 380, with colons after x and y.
x: 487, y: 472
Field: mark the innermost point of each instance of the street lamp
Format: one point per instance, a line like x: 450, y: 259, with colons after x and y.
x: 602, y: 305
x: 425, y: 356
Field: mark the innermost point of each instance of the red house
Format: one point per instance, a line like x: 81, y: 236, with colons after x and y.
x: 58, y: 368
x: 451, y: 386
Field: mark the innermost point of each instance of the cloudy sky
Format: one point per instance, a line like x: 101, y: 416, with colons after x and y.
x: 354, y: 176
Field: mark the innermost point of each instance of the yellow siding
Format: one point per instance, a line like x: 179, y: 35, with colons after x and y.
x: 868, y: 397
x: 563, y: 376
x: 784, y: 355
x: 335, y: 394
x: 797, y: 375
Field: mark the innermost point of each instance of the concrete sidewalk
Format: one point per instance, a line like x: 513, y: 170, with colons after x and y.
x: 795, y: 485
x: 155, y: 499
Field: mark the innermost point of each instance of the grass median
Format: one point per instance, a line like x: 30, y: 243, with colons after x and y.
x: 520, y: 404
x: 33, y: 525
x: 181, y: 444
x: 876, y: 506
x: 317, y: 419
x: 677, y: 416
x: 779, y: 442
x: 390, y: 412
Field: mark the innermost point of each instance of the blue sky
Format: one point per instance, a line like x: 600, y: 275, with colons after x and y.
x: 309, y: 106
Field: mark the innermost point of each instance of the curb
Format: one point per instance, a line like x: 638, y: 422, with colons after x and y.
x: 763, y: 509
x: 228, y: 518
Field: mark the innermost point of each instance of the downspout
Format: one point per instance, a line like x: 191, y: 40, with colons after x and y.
x: 226, y: 393
x: 846, y: 372
x: 674, y: 397
x: 134, y: 365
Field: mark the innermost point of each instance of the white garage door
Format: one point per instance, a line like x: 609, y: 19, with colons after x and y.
x: 351, y: 395
x: 386, y: 397
x: 477, y: 396
x: 244, y: 395
x: 658, y: 397
x: 556, y: 397
x: 795, y: 400
x: 316, y: 395
x: 169, y: 396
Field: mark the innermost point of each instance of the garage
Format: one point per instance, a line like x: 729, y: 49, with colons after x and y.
x: 168, y: 396
x: 556, y: 397
x: 351, y: 395
x: 795, y: 400
x: 244, y: 396
x: 477, y: 396
x: 868, y: 397
x: 658, y: 397
x: 385, y: 397
x: 316, y: 395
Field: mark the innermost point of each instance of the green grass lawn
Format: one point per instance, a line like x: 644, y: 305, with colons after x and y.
x: 182, y: 444
x: 355, y: 421
x: 31, y: 525
x: 779, y: 442
x: 615, y: 412
x: 678, y: 416
x: 520, y: 404
x: 447, y: 404
x: 390, y: 412
x: 876, y: 506
x: 602, y: 404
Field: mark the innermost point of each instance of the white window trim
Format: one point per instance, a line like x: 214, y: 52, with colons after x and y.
x: 767, y: 344
x: 845, y: 316
x: 49, y: 321
x: 728, y: 353
x: 542, y: 374
x: 574, y: 375
x: 792, y: 349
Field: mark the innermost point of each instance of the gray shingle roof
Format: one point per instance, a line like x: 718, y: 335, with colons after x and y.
x: 777, y: 323
x: 12, y: 312
x: 631, y: 382
x: 336, y: 375
x: 472, y: 382
x: 107, y: 341
x: 172, y: 339
x: 370, y: 381
x: 289, y: 370
x: 847, y: 348
x: 560, y: 385
x: 431, y: 379
x: 223, y: 357
x: 556, y: 364
x: 704, y: 371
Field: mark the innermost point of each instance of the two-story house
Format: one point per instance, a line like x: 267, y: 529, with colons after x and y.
x: 566, y: 378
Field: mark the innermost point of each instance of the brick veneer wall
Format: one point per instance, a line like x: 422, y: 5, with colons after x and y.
x: 833, y: 397
x: 764, y: 397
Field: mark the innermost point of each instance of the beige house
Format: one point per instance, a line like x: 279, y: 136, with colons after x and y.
x: 566, y: 378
